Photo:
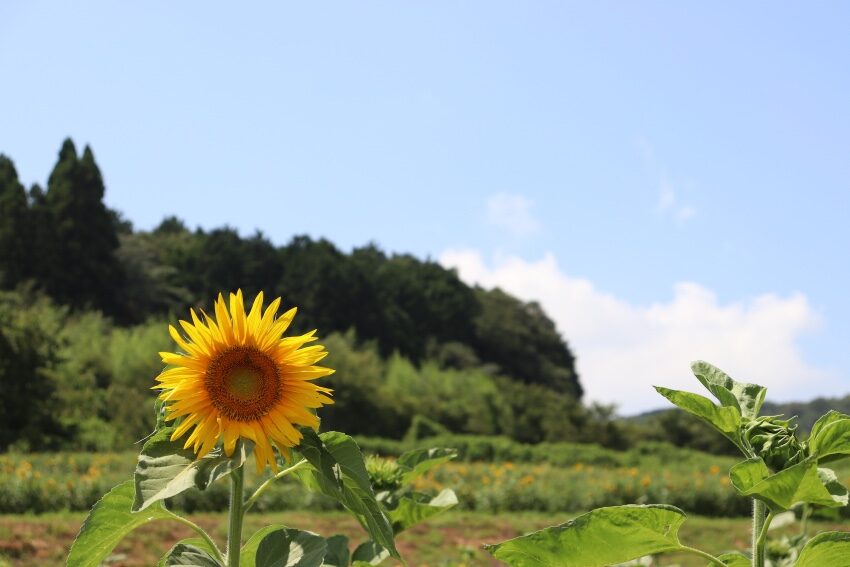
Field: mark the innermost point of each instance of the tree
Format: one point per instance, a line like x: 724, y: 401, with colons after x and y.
x: 85, y: 271
x: 29, y: 345
x: 523, y: 341
x: 15, y: 225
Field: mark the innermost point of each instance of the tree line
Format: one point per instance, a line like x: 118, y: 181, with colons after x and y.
x: 84, y: 300
x: 64, y: 241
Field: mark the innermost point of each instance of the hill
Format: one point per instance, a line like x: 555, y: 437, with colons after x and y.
x: 84, y: 299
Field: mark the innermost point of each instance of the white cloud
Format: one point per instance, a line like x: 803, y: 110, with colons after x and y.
x: 623, y: 349
x: 511, y: 212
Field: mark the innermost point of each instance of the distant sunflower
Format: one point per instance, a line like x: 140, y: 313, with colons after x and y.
x: 238, y: 377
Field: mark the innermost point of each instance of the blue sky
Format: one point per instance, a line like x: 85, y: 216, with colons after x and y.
x: 671, y: 181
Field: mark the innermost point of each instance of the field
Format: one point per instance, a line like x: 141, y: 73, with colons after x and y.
x: 451, y: 540
x: 44, y: 498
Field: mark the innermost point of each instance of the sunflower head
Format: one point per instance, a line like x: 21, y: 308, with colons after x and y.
x: 237, y: 376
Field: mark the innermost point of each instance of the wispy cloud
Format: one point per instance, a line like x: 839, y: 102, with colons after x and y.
x: 668, y: 204
x: 623, y: 349
x: 512, y: 212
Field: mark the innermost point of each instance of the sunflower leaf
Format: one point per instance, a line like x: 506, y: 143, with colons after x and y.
x: 419, y: 461
x: 165, y: 469
x: 338, y: 471
x: 748, y: 398
x: 601, y: 537
x: 194, y: 552
x: 830, y: 438
x: 827, y: 548
x: 416, y: 507
x: 107, y: 524
x: 279, y: 546
x: 725, y: 419
x: 802, y: 482
x: 368, y: 553
x: 337, y: 554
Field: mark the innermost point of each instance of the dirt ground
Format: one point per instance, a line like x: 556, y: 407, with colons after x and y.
x: 454, y: 539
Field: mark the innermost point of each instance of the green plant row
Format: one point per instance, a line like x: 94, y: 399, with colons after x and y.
x: 779, y: 472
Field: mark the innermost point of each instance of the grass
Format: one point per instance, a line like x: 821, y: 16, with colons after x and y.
x: 454, y: 539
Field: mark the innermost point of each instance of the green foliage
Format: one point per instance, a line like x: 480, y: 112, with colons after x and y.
x: 15, y: 228
x: 524, y: 343
x: 725, y: 419
x: 166, y: 469
x: 83, y: 270
x: 827, y: 548
x: 802, y: 482
x: 29, y: 352
x: 279, y: 546
x: 67, y: 242
x: 338, y: 471
x: 189, y: 552
x: 632, y: 532
x: 780, y: 471
x: 109, y: 521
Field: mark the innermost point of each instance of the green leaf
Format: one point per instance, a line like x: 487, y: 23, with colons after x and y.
x: 279, y: 546
x: 830, y: 438
x: 601, y: 537
x: 368, y: 553
x: 735, y: 559
x: 827, y: 548
x: 725, y: 419
x: 830, y: 481
x: 337, y: 554
x: 165, y: 469
x: 193, y: 552
x: 107, y: 523
x: 748, y: 398
x: 419, y: 461
x: 338, y: 471
x: 799, y: 483
x: 416, y: 507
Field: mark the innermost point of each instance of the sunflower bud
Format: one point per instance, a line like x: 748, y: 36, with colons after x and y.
x: 384, y: 474
x: 775, y: 441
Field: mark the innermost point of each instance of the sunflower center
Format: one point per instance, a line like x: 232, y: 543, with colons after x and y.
x: 243, y: 383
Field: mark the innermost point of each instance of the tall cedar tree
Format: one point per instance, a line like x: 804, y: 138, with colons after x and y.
x: 15, y: 239
x: 84, y: 270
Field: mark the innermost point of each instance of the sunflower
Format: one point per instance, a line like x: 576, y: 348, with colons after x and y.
x: 238, y: 377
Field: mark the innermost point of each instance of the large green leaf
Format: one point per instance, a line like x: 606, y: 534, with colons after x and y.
x: 802, y: 482
x: 368, y: 553
x: 725, y: 419
x: 337, y: 554
x: 416, y: 507
x: 830, y: 438
x: 107, y: 524
x: 190, y: 552
x: 338, y: 471
x: 826, y: 549
x: 279, y: 546
x: 419, y: 461
x: 748, y: 398
x: 165, y: 469
x: 598, y: 538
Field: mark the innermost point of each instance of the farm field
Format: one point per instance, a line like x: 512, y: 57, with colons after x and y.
x: 454, y: 539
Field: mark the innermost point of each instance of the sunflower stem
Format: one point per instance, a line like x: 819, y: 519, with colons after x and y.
x: 262, y: 488
x: 234, y: 532
x: 758, y: 525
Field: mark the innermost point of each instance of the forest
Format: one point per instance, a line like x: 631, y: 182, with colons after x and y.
x: 86, y: 300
